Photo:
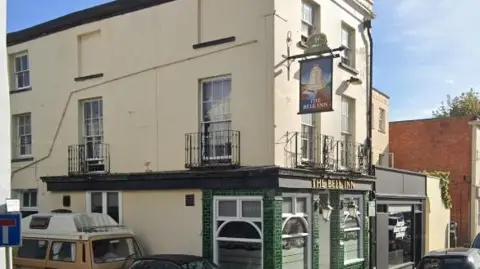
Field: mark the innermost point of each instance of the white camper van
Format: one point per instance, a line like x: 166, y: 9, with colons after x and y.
x: 74, y: 240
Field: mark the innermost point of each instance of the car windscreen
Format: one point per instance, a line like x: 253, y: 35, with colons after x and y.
x: 476, y: 242
x: 200, y: 264
x: 114, y: 249
x: 444, y: 262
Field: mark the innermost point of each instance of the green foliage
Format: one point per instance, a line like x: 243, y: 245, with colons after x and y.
x: 467, y: 104
x: 444, y: 184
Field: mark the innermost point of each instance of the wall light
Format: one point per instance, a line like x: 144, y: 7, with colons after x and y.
x: 354, y: 81
x: 326, y: 211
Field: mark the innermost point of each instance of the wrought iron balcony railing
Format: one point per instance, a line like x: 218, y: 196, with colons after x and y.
x: 312, y: 151
x: 89, y: 158
x: 212, y: 149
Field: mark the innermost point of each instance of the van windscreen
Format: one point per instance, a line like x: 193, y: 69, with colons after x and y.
x: 114, y: 249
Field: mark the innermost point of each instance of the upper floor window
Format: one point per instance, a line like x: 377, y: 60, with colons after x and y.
x: 310, y: 13
x: 22, y: 71
x: 216, y: 118
x: 22, y: 146
x: 93, y: 128
x: 348, y: 42
x: 346, y: 115
x: 308, y: 137
x: 381, y: 120
x: 347, y: 145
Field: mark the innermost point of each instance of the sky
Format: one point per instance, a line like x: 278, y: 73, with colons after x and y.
x: 423, y: 49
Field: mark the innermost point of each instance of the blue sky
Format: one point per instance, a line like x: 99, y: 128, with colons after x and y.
x: 424, y: 49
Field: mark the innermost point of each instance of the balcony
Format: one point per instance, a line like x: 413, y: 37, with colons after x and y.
x: 322, y: 152
x: 89, y: 158
x: 219, y: 149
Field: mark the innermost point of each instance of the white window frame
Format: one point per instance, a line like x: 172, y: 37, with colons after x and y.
x: 381, y: 119
x: 347, y: 35
x: 104, y: 203
x: 19, y: 194
x: 307, y: 135
x: 18, y: 136
x: 95, y: 139
x: 227, y: 119
x: 238, y: 217
x: 309, y: 24
x: 346, y: 133
x: 361, y: 225
x: 307, y: 215
x: 21, y: 71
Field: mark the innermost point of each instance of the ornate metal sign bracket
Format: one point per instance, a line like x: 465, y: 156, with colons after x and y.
x: 316, y: 45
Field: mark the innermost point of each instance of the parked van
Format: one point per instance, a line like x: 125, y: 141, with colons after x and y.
x: 74, y: 240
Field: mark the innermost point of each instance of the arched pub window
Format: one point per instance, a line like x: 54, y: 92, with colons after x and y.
x: 238, y: 232
x: 295, y: 232
x: 352, y: 228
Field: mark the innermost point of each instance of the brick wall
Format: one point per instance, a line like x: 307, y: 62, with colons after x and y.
x: 438, y: 144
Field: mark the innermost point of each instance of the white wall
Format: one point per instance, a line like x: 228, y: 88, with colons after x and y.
x: 4, y: 116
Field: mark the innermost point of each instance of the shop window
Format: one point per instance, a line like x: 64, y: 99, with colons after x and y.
x: 238, y: 232
x: 400, y: 235
x: 295, y: 232
x: 33, y: 249
x: 353, y: 228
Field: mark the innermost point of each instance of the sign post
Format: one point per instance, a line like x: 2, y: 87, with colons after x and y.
x: 11, y: 224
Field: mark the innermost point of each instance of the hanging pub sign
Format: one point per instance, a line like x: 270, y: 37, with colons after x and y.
x: 316, y: 85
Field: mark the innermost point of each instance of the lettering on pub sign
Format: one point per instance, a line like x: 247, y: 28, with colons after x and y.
x: 338, y: 184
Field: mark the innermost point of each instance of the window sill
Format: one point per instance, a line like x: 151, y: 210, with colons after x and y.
x: 22, y: 159
x: 382, y: 131
x: 348, y: 68
x: 214, y: 42
x: 349, y: 262
x: 92, y: 76
x: 21, y: 90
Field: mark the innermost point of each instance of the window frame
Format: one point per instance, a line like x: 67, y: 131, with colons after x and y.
x: 18, y: 136
x: 30, y: 206
x: 203, y: 123
x: 307, y: 135
x: 237, y: 218
x: 306, y: 215
x: 105, y: 203
x: 361, y: 224
x: 50, y: 252
x: 22, y: 71
x: 348, y: 55
x: 309, y: 24
x: 96, y: 139
x: 381, y: 120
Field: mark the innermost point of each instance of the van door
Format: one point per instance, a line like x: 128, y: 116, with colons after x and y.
x: 65, y: 254
x: 32, y: 254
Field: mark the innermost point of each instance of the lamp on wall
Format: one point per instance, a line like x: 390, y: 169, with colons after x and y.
x: 326, y: 211
x: 353, y: 209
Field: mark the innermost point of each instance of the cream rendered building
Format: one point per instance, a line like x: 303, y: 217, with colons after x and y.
x: 96, y: 94
x: 381, y: 155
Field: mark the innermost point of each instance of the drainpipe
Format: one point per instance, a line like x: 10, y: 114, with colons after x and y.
x: 368, y: 25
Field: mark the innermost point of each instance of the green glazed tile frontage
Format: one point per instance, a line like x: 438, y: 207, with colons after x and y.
x: 336, y: 234
x: 272, y: 228
x: 272, y: 223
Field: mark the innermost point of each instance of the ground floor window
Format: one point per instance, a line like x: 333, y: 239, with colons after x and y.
x: 295, y: 232
x: 106, y: 202
x: 352, y: 228
x: 238, y: 233
x: 28, y: 201
x: 400, y: 234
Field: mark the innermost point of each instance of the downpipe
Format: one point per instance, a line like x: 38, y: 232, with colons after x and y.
x: 373, y: 236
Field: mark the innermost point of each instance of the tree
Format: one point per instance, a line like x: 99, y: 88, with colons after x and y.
x: 467, y: 104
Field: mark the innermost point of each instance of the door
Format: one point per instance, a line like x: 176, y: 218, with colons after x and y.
x: 65, y: 254
x: 418, y: 237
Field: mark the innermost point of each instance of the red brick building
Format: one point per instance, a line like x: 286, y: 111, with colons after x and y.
x: 439, y: 144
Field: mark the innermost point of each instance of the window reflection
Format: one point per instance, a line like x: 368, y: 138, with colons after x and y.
x: 400, y: 235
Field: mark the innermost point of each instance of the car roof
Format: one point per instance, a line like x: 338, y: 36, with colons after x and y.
x: 451, y: 252
x: 175, y: 258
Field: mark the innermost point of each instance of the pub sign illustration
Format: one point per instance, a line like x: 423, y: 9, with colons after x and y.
x: 316, y: 85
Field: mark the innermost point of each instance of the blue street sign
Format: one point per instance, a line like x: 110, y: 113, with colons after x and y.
x: 11, y: 232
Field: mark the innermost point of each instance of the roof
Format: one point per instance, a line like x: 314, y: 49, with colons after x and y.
x: 89, y: 15
x: 381, y: 93
x: 175, y: 258
x: 70, y: 225
x: 451, y: 251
